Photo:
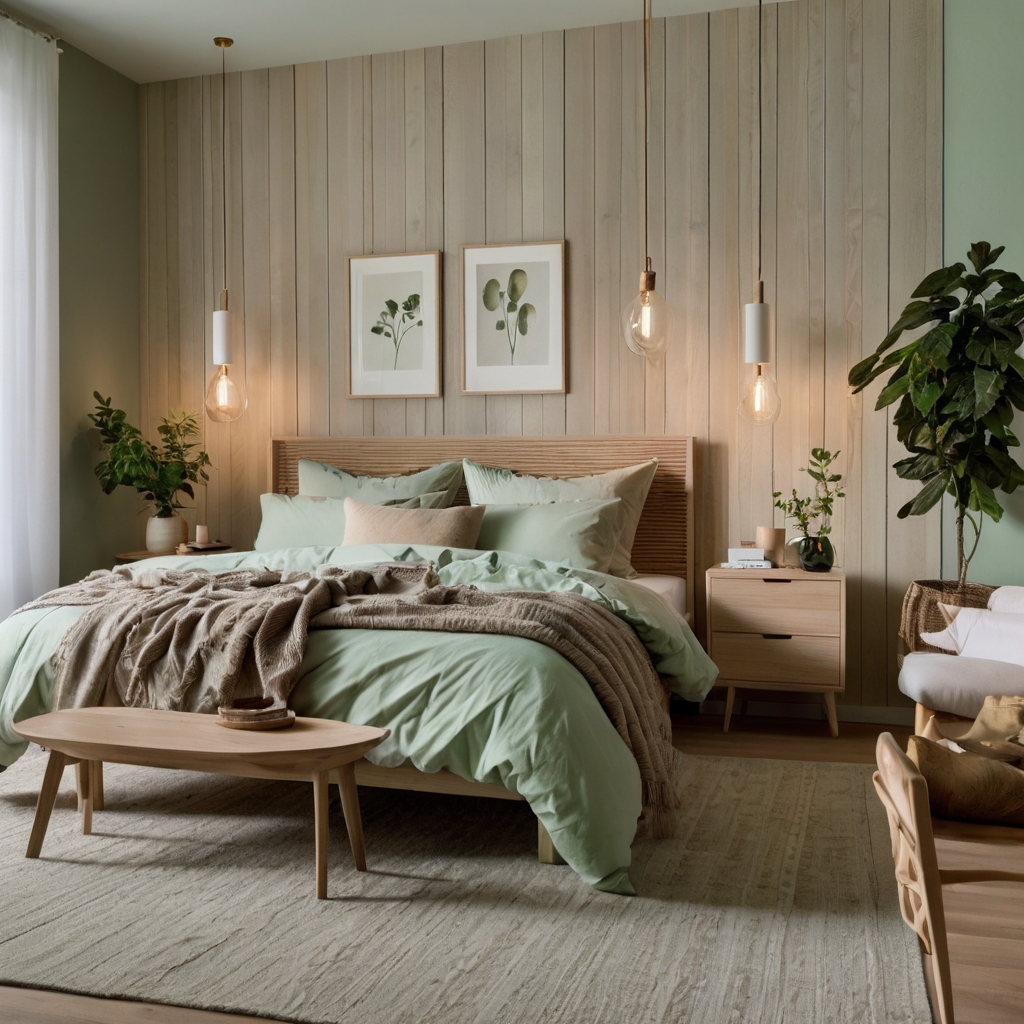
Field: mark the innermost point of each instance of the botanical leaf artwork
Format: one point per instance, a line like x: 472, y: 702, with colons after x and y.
x: 394, y: 327
x: 514, y: 319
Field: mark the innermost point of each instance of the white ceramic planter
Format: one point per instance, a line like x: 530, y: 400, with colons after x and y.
x: 165, y: 535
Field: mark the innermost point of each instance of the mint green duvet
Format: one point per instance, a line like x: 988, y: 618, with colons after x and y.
x: 497, y: 709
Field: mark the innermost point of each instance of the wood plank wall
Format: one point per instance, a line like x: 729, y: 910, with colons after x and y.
x: 536, y: 137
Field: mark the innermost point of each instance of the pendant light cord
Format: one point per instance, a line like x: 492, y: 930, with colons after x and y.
x: 760, y: 142
x: 647, y: 107
x: 224, y: 161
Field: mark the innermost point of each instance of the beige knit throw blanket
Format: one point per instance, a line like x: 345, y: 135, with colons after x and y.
x: 191, y: 641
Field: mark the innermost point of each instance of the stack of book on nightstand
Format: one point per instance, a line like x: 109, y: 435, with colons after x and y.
x: 747, y: 558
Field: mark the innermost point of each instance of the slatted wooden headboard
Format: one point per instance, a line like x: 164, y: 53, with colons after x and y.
x: 664, y: 538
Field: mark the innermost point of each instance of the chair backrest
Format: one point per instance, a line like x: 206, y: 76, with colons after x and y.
x: 904, y: 794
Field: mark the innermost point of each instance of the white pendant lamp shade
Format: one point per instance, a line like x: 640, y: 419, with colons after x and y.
x: 222, y: 346
x: 755, y: 333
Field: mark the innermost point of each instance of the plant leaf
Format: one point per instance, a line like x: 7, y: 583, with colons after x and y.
x: 982, y: 255
x: 517, y: 282
x: 983, y: 499
x: 988, y: 386
x: 898, y: 386
x: 492, y: 293
x: 527, y: 316
x: 500, y: 325
x: 927, y: 498
x: 927, y: 397
x: 937, y: 282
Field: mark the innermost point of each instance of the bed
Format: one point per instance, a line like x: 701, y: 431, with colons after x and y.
x: 470, y: 758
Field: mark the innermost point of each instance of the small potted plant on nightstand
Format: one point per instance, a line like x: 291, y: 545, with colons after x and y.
x: 159, y: 474
x: 813, y: 514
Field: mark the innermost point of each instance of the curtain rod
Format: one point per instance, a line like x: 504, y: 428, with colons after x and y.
x: 49, y: 34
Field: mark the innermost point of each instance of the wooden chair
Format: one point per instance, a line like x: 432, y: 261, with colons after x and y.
x: 904, y: 794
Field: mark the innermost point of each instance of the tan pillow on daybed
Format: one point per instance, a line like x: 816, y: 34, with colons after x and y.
x: 456, y: 527
x: 969, y: 787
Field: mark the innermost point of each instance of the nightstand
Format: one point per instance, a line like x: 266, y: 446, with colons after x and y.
x: 138, y: 556
x: 778, y: 629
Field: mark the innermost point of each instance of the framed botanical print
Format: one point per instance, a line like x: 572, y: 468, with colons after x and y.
x: 394, y: 337
x: 513, y: 318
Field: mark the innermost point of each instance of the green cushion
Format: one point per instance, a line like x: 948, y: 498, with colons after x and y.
x: 436, y: 487
x: 305, y: 521
x: 580, y: 533
x: 489, y: 486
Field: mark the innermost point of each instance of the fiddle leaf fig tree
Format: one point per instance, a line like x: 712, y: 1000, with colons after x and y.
x: 957, y: 386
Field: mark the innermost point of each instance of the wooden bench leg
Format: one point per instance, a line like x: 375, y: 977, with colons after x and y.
x: 320, y: 792
x: 85, y: 795
x: 546, y: 852
x: 44, y: 805
x: 353, y: 818
x: 730, y: 697
x: 830, y: 711
x: 96, y: 784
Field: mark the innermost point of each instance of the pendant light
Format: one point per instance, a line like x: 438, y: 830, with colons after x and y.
x: 647, y: 320
x: 760, y: 402
x: 225, y: 397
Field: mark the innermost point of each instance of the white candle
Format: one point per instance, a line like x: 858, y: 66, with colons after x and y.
x: 202, y: 535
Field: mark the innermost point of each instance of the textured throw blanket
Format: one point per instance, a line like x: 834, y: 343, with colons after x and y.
x: 191, y: 641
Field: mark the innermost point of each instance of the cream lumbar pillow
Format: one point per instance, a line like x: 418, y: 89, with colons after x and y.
x: 385, y: 524
x: 435, y: 487
x: 490, y: 486
x: 980, y: 633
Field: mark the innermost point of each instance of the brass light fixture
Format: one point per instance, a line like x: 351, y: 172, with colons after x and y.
x: 647, y: 320
x: 225, y: 397
x: 760, y: 402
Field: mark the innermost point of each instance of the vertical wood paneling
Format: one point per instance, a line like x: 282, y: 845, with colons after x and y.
x: 465, y: 219
x: 538, y: 137
x: 580, y: 229
x: 283, y: 338
x: 345, y: 227
x: 311, y: 247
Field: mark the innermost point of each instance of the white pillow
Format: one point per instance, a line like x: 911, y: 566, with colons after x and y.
x: 1007, y: 599
x: 980, y: 633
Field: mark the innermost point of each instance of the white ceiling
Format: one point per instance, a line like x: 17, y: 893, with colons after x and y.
x: 154, y: 40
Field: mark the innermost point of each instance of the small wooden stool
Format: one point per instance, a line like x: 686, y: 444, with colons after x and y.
x: 314, y: 749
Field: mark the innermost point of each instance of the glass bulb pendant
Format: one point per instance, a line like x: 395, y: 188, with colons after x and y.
x: 646, y: 321
x: 225, y: 397
x: 761, y: 402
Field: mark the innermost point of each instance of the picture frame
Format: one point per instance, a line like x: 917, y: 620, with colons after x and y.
x: 527, y: 280
x: 393, y: 343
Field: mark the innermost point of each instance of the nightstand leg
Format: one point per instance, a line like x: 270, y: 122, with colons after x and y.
x: 830, y: 710
x: 730, y: 696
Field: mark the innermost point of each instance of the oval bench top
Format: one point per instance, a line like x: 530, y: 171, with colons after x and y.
x: 126, y: 731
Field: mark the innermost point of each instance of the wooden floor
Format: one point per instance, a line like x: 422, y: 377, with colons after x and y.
x: 985, y: 922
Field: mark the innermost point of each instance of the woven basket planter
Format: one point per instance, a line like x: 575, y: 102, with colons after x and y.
x: 921, y: 612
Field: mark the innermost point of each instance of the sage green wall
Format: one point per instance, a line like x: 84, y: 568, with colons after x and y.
x: 99, y: 299
x: 984, y: 171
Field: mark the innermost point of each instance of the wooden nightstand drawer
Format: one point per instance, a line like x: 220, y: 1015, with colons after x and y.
x: 806, y: 660
x: 808, y: 607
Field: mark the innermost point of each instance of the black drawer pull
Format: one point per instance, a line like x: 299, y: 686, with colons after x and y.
x: 766, y: 579
x: 777, y: 636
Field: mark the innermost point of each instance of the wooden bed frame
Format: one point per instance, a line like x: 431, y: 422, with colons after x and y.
x: 663, y: 544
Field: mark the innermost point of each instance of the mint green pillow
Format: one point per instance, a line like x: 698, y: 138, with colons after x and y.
x: 489, y: 486
x: 581, y: 533
x: 305, y: 521
x: 436, y: 487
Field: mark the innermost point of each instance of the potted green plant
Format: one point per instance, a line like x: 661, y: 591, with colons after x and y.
x: 158, y: 473
x: 813, y: 514
x: 957, y: 384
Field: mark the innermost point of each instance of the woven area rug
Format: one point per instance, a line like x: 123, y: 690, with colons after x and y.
x: 776, y: 903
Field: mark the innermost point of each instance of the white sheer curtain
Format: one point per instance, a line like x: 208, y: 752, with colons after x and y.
x: 29, y: 381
